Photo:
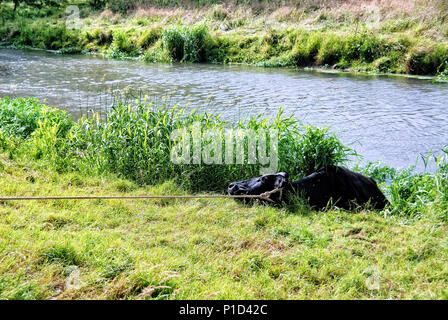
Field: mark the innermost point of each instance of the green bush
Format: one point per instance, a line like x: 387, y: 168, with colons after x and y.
x: 331, y: 50
x: 442, y: 72
x: 184, y: 43
x: 156, y: 53
x: 43, y: 35
x: 121, y: 6
x: 149, y: 37
x: 135, y: 142
x: 97, y: 4
x: 306, y: 49
x: 174, y: 42
x: 317, y: 149
x: 411, y: 192
x: 363, y: 46
x: 122, y: 46
x: 426, y: 59
x: 194, y: 46
x: 22, y: 117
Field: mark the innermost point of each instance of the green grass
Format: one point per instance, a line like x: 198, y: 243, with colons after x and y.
x: 203, y: 249
x: 136, y: 142
x: 295, y: 35
x: 198, y: 248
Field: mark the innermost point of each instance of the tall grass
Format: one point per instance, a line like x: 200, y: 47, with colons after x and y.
x: 443, y: 71
x: 166, y: 39
x: 185, y: 43
x: 134, y: 142
x: 410, y: 192
x: 22, y: 117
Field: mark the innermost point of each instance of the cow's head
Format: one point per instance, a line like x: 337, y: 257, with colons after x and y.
x: 259, y: 185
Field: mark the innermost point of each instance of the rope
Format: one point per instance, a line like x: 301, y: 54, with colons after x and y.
x: 263, y: 196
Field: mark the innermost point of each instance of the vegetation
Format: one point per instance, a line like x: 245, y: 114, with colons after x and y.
x: 443, y: 72
x: 135, y: 142
x: 384, y: 38
x: 197, y: 249
x: 220, y: 248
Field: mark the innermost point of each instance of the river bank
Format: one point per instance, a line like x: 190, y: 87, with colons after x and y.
x: 376, y: 38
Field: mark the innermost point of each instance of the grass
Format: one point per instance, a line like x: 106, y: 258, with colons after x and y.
x: 198, y: 248
x: 135, y: 141
x: 297, y: 34
x: 203, y: 249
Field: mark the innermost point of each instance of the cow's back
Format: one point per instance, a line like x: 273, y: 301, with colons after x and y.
x: 341, y: 187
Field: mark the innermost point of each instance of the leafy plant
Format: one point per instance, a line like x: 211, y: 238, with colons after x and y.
x: 185, y: 43
x: 443, y: 71
x: 121, y: 46
x: 21, y: 117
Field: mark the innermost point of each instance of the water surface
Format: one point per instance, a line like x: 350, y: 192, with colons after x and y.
x: 390, y: 119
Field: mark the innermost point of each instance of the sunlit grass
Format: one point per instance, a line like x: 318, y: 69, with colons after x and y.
x: 203, y: 249
x: 200, y: 249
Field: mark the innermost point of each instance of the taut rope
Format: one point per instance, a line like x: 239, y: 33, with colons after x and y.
x: 263, y: 196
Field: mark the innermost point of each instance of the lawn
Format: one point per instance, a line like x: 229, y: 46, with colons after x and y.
x: 203, y: 249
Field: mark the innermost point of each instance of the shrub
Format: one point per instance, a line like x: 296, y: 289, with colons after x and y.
x: 156, y: 53
x: 426, y: 59
x: 21, y: 117
x: 174, y: 42
x: 317, y: 149
x: 442, y: 72
x: 194, y: 49
x: 149, y: 37
x: 121, y: 6
x: 101, y: 37
x: 306, y: 49
x: 389, y: 63
x: 135, y: 143
x: 411, y: 192
x: 185, y: 43
x: 331, y: 50
x: 122, y: 46
x: 97, y: 4
x: 43, y: 35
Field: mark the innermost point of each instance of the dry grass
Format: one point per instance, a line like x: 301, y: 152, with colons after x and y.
x: 311, y: 14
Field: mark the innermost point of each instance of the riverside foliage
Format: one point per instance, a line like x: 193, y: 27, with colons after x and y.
x: 219, y: 35
x: 134, y: 142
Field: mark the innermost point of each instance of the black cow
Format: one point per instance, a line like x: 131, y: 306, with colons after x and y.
x: 332, y: 185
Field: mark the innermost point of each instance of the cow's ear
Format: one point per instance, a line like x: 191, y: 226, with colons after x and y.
x: 284, y: 174
x: 281, y: 180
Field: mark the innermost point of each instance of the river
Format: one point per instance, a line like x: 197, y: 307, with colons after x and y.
x: 391, y: 119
